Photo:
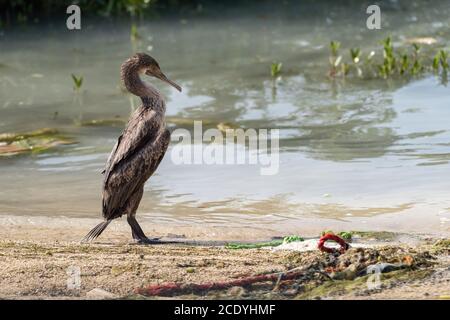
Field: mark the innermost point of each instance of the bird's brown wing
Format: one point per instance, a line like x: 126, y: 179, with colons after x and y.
x: 128, y: 171
x: 112, y: 154
x: 140, y: 128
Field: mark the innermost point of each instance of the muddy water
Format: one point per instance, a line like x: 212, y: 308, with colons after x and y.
x: 354, y: 154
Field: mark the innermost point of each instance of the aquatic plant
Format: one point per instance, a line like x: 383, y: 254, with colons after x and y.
x: 275, y: 72
x: 134, y: 34
x: 441, y: 60
x: 444, y: 59
x: 355, y: 54
x: 437, y: 61
x: 345, y: 68
x: 77, y: 98
x: 275, y: 69
x: 417, y: 66
x: 395, y: 63
x: 335, y: 58
x: 404, y: 63
x: 77, y: 81
x: 389, y: 61
x: 334, y: 47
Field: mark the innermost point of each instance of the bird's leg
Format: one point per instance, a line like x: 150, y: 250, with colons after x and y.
x: 138, y: 234
x: 131, y: 208
x: 133, y: 234
x: 136, y: 230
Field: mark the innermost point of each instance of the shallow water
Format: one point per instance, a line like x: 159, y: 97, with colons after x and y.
x: 355, y: 154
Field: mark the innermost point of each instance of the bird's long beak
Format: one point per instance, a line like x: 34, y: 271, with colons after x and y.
x: 163, y: 77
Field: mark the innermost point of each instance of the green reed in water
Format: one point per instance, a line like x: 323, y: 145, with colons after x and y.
x: 440, y: 60
x: 355, y: 53
x: 77, y: 82
x: 335, y: 58
x: 389, y: 61
x: 134, y: 34
x: 275, y: 69
x: 393, y: 63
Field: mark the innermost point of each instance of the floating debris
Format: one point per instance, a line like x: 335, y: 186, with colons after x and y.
x: 224, y: 126
x: 186, y: 122
x: 11, y: 137
x: 206, y: 123
x: 12, y: 144
x: 422, y: 40
x: 116, y: 122
x: 177, y: 121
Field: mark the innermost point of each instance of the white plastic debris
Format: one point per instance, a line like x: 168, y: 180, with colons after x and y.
x: 311, y: 245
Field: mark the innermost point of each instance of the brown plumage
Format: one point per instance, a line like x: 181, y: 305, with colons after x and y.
x: 139, y: 149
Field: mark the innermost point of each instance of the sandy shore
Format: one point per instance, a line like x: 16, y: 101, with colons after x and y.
x: 38, y: 262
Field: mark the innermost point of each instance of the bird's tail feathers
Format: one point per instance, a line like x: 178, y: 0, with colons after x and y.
x: 94, y: 233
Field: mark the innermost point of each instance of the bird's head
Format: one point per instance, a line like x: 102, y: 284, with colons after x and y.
x: 150, y: 67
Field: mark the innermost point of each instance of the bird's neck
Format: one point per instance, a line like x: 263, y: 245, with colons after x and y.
x: 149, y: 95
x: 146, y: 92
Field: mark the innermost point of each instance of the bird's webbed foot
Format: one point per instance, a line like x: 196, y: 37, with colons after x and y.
x: 148, y: 241
x: 139, y: 235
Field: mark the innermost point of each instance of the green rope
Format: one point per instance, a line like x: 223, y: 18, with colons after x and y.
x: 290, y: 239
x: 346, y: 235
x: 256, y: 245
